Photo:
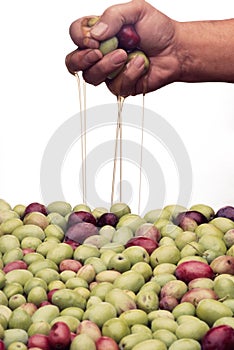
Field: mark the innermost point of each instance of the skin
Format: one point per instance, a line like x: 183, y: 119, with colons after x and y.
x: 196, y: 51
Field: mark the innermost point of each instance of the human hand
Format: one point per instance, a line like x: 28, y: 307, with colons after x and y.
x: 157, y: 41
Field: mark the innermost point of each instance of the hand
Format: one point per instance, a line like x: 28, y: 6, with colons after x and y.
x: 157, y: 34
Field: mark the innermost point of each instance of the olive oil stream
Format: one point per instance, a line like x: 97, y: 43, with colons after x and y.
x: 82, y: 107
x: 118, y: 143
x: 118, y: 140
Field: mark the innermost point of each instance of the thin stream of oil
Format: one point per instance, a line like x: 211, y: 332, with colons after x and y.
x: 82, y: 106
x: 141, y: 153
x: 85, y: 134
x: 118, y: 141
x: 118, y: 144
x: 145, y: 84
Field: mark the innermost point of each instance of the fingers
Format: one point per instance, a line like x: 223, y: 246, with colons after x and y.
x: 130, y: 81
x: 82, y: 59
x: 94, y: 65
x: 107, y: 26
x: 99, y: 72
x: 80, y: 34
x: 115, y: 17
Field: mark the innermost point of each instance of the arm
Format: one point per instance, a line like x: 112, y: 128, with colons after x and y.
x: 206, y: 51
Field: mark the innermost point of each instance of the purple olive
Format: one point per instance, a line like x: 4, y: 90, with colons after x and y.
x: 219, y: 338
x: 226, y: 212
x: 35, y: 207
x: 143, y: 241
x: 107, y: 219
x: 128, y: 37
x: 168, y: 303
x: 189, y: 270
x: 81, y: 216
x: 198, y: 217
x: 79, y: 232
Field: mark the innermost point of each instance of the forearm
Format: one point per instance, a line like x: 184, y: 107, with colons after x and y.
x: 205, y: 51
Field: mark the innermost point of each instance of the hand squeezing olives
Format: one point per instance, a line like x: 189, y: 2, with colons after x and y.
x: 127, y: 39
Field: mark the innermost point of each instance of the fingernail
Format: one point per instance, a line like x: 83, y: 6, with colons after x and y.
x: 89, y: 42
x: 138, y: 61
x: 93, y: 56
x: 118, y: 57
x: 99, y: 29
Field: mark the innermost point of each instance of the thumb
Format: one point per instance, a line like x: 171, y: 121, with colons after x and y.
x: 115, y: 17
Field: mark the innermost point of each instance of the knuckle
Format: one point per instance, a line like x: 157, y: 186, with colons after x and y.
x: 72, y: 28
x: 91, y: 79
x: 68, y: 63
x: 111, y: 11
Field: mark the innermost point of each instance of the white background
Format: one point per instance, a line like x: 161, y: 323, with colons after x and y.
x: 37, y: 95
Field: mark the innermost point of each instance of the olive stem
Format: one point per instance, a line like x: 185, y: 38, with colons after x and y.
x: 224, y: 298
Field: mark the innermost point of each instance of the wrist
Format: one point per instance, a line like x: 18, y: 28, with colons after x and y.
x: 174, y: 56
x: 187, y: 52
